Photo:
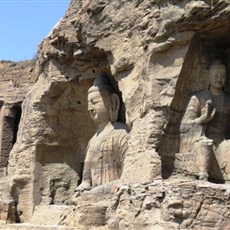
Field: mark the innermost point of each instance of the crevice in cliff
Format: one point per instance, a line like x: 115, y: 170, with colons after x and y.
x: 9, y: 121
x: 18, y: 112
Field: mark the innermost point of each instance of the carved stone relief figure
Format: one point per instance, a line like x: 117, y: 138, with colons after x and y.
x: 205, y: 126
x: 106, y: 149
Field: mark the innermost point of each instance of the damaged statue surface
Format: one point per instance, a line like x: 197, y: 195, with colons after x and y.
x: 106, y: 150
x: 206, y: 120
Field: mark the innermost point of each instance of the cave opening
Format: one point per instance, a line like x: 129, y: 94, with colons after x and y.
x: 10, y: 118
x: 18, y: 112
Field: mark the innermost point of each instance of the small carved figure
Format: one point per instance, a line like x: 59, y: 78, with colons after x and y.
x: 106, y: 149
x: 206, y: 119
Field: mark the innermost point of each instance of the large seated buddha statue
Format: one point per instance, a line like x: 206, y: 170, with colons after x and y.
x: 106, y: 150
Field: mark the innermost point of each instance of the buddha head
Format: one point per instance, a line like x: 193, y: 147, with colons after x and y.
x: 217, y: 74
x: 103, y: 102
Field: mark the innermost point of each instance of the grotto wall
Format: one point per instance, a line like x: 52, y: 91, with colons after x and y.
x: 16, y: 80
x: 156, y: 54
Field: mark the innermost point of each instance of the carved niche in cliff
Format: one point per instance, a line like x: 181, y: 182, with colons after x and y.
x: 106, y: 149
x: 200, y: 112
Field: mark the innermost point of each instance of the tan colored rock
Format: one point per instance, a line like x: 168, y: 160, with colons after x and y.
x: 194, y: 7
x: 155, y: 54
x: 169, y: 204
x: 16, y: 80
x: 53, y: 214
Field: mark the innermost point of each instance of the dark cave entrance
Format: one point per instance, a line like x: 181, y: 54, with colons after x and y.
x: 10, y: 118
x: 18, y: 112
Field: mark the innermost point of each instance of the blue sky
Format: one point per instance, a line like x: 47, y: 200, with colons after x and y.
x: 24, y: 24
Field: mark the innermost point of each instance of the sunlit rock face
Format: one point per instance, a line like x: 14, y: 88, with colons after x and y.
x: 16, y: 81
x: 156, y: 55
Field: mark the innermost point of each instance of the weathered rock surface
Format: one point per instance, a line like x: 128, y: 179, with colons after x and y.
x: 177, y: 203
x: 156, y: 54
x: 16, y: 80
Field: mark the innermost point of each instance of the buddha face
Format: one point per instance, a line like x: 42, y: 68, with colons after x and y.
x: 217, y: 76
x: 98, y: 106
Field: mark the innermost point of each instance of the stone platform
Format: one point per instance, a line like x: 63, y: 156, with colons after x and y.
x: 175, y: 203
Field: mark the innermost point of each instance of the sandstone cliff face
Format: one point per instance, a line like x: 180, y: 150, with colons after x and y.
x: 156, y: 54
x: 16, y: 80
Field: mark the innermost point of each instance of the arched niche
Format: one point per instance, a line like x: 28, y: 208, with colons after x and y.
x: 205, y: 46
x: 60, y: 155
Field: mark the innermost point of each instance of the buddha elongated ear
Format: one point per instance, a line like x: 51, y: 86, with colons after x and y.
x: 114, y: 106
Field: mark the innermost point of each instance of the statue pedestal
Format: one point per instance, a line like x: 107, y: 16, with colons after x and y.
x: 219, y: 169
